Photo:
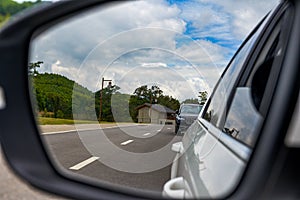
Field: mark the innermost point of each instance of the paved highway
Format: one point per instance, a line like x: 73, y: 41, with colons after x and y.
x: 111, y: 154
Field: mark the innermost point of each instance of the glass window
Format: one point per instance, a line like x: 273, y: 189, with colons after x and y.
x: 190, y: 109
x: 244, y: 118
x: 214, y: 113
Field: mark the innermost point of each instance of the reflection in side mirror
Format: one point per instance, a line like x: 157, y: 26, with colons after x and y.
x: 243, y: 120
x: 107, y: 85
x: 177, y: 147
x: 107, y: 92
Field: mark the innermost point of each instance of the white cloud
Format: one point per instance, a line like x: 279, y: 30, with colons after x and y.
x: 243, y: 15
x: 154, y: 64
x: 149, y: 42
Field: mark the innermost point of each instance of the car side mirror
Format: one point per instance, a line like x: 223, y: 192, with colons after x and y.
x: 68, y: 70
x: 116, y: 89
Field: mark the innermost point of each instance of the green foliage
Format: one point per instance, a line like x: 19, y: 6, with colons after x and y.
x: 33, y: 67
x: 169, y: 102
x: 120, y: 107
x: 53, y: 121
x: 107, y: 93
x: 10, y: 7
x: 203, y: 97
x: 193, y: 101
x: 3, y: 19
x: 150, y: 95
x: 59, y: 97
x: 54, y: 94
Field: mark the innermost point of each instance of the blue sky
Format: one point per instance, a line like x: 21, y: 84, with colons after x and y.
x: 181, y: 46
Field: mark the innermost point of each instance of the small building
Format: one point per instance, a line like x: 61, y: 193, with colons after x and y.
x: 155, y: 114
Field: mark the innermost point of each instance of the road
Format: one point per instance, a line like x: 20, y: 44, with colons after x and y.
x: 114, y: 154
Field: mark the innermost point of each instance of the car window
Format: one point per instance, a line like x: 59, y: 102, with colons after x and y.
x: 244, y: 116
x: 190, y: 109
x: 214, y: 113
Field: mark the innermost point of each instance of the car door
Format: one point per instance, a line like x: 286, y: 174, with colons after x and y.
x: 217, y: 147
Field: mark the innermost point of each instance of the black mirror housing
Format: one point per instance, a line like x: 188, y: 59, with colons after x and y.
x: 23, y: 146
x: 24, y: 150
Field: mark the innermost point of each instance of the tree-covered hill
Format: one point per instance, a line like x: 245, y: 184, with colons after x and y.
x: 59, y: 97
x: 54, y: 94
x: 10, y: 7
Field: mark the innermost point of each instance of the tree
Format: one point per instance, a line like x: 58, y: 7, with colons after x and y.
x: 33, y: 68
x: 169, y: 102
x: 57, y: 96
x: 203, y: 97
x: 9, y: 8
x: 193, y: 101
x: 107, y: 93
x: 152, y: 95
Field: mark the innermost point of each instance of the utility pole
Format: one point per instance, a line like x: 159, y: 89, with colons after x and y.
x: 101, y: 96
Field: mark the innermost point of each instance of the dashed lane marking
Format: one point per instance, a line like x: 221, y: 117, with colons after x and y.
x: 126, y: 142
x: 84, y: 163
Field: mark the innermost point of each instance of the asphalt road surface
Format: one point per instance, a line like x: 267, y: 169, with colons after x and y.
x: 113, y: 155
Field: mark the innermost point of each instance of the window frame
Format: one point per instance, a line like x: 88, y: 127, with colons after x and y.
x: 265, y: 22
x: 281, y: 19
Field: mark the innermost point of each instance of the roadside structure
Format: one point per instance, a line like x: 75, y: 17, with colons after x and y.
x: 155, y: 114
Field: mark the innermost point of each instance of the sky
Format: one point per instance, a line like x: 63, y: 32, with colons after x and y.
x: 179, y: 45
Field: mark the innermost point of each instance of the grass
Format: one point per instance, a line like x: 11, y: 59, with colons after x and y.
x: 56, y: 121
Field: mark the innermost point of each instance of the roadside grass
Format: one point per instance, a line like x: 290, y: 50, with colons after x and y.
x: 56, y: 121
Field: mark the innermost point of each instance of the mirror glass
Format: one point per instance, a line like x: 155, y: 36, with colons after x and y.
x: 108, y: 85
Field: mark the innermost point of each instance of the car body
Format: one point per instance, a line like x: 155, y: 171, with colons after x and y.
x: 218, y: 157
x: 185, y: 116
x: 215, y: 150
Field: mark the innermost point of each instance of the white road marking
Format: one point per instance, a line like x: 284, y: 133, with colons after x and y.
x: 88, y: 129
x: 58, y: 132
x: 147, y: 134
x: 126, y: 142
x: 159, y: 130
x: 84, y: 163
x: 169, y: 128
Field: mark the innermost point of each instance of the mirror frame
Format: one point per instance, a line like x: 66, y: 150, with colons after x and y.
x: 22, y: 144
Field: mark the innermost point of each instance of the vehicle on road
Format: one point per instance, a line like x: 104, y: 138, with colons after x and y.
x: 244, y: 144
x: 185, y: 116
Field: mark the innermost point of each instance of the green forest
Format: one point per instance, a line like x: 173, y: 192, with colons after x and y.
x: 58, y: 97
x: 9, y: 8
